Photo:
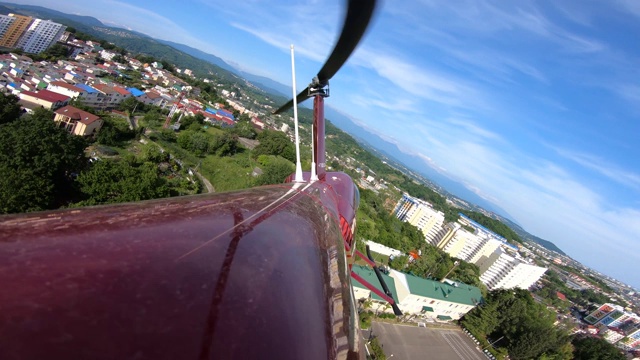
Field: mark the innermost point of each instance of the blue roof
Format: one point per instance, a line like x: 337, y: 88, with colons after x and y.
x: 87, y: 88
x: 135, y: 92
x: 224, y: 112
x: 211, y: 111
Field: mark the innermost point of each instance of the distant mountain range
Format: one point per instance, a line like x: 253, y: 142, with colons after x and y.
x: 204, y: 63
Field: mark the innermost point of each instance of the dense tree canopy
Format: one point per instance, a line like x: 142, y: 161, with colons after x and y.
x: 375, y: 223
x: 275, y: 169
x: 593, y: 348
x: 38, y: 161
x: 9, y: 108
x: 121, y: 181
x: 514, y: 321
x: 114, y: 131
x: 275, y: 143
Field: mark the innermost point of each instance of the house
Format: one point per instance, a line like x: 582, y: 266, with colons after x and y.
x: 439, y: 300
x: 78, y: 122
x: 152, y: 98
x: 45, y: 98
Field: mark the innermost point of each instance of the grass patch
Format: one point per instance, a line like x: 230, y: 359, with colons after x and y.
x: 377, y: 257
x: 214, y: 131
x: 229, y: 172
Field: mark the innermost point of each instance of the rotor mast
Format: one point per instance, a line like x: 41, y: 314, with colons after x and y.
x: 319, y: 90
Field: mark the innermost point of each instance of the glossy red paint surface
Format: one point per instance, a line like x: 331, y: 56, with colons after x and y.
x: 318, y: 133
x: 259, y: 273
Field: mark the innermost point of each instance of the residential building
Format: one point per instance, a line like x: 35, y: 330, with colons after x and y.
x: 631, y: 340
x: 447, y: 300
x: 611, y: 334
x: 15, y: 30
x: 616, y: 318
x: 503, y: 271
x: 362, y: 292
x: 601, y: 312
x: 5, y: 22
x: 88, y: 95
x: 381, y: 249
x: 419, y: 213
x: 78, y: 122
x: 44, y: 98
x: 40, y: 35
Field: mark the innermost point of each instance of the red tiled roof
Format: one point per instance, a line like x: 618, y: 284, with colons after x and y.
x: 104, y: 88
x: 77, y: 114
x: 121, y: 91
x: 66, y: 86
x: 47, y: 95
x: 560, y: 295
x: 152, y: 95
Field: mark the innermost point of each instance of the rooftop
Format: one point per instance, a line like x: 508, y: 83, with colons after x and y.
x: 77, y: 114
x: 461, y: 294
x: 66, y: 86
x: 47, y: 95
x: 369, y: 275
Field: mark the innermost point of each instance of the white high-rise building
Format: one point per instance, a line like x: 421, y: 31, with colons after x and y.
x: 40, y: 35
x: 5, y: 22
x: 420, y: 214
x: 503, y: 271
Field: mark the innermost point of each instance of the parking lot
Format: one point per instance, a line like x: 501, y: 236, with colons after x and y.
x: 408, y: 342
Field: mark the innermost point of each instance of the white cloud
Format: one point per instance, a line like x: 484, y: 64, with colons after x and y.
x: 595, y: 163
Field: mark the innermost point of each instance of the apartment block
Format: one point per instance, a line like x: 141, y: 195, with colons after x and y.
x: 420, y: 214
x: 40, y: 35
x: 5, y: 22
x: 501, y: 270
x: 15, y: 30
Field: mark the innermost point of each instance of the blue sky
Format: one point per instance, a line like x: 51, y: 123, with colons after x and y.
x: 535, y: 106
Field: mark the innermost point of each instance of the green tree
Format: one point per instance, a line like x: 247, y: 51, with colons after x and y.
x: 224, y: 144
x: 114, y: 131
x: 121, y: 181
x: 592, y: 348
x: 398, y: 262
x: 275, y: 171
x: 57, y: 51
x: 153, y: 118
x: 244, y: 129
x: 275, y: 143
x: 153, y: 153
x: 520, y: 325
x: 167, y: 135
x: 196, y: 142
x: 9, y: 108
x: 38, y: 161
x: 119, y: 59
x: 130, y: 104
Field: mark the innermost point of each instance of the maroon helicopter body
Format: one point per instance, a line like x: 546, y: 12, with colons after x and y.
x: 260, y: 273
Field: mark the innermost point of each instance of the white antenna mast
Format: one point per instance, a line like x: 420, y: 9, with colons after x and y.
x: 298, y: 176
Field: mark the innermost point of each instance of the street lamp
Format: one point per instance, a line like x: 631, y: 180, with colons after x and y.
x: 455, y: 263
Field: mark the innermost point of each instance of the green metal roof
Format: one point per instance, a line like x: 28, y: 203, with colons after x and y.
x: 369, y: 275
x: 427, y: 308
x: 461, y: 294
x: 444, y: 317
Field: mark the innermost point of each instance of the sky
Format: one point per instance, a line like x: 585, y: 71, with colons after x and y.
x: 533, y: 105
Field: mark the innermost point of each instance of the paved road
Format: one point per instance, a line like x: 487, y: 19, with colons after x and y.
x: 206, y: 182
x: 408, y: 342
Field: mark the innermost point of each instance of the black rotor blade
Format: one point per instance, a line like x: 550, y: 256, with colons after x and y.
x: 359, y: 14
x: 304, y: 95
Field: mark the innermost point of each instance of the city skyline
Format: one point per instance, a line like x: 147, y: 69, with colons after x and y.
x: 533, y: 106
